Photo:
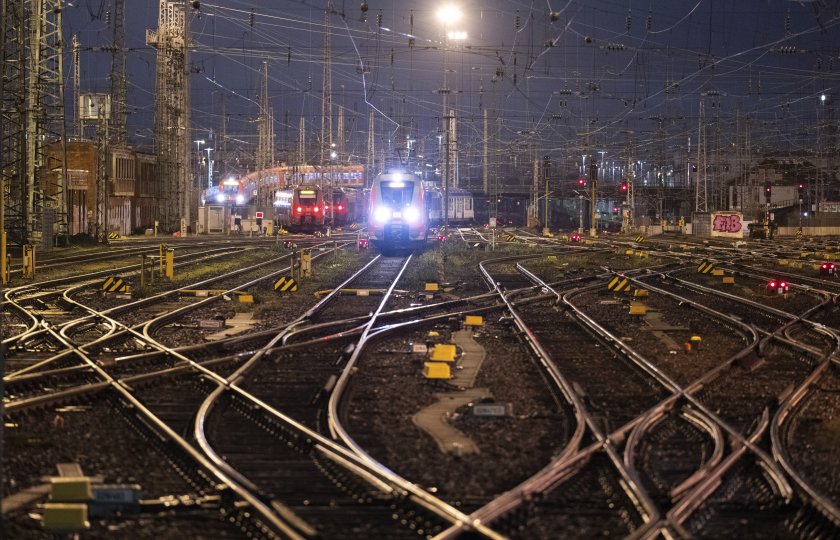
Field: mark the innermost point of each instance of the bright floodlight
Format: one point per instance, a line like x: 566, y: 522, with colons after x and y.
x: 333, y: 155
x: 822, y: 97
x: 449, y: 14
x: 460, y: 35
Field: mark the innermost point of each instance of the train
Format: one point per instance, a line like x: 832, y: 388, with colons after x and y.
x: 461, y: 209
x: 398, y: 214
x: 278, y: 192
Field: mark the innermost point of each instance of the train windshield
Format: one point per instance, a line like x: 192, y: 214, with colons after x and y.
x: 397, y: 194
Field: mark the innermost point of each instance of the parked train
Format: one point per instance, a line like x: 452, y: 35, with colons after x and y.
x: 398, y: 215
x: 301, y: 208
x: 460, y: 209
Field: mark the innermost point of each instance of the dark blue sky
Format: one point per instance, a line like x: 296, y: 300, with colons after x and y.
x: 613, y: 67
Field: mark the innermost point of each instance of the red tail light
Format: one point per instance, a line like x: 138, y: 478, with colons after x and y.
x: 773, y: 284
x: 299, y: 209
x: 315, y: 209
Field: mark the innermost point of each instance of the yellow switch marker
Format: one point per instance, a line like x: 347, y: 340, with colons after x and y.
x: 638, y: 293
x: 431, y: 287
x: 638, y: 309
x: 474, y: 320
x: 444, y: 353
x: 729, y: 279
x: 70, y: 489
x: 436, y: 370
x: 66, y: 517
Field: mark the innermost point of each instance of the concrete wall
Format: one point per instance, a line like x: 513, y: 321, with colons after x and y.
x: 809, y: 231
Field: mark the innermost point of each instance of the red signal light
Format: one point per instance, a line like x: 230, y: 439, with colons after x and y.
x: 341, y: 207
x: 624, y: 187
x: 581, y: 181
x: 441, y: 238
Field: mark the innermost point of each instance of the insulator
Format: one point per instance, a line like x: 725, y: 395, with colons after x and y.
x: 787, y: 23
x: 108, y: 17
x: 517, y: 21
x: 628, y: 22
x: 379, y: 19
x: 364, y: 7
x: 649, y: 22
x: 553, y: 16
x: 252, y: 18
x: 289, y: 56
x: 392, y: 57
x: 196, y: 5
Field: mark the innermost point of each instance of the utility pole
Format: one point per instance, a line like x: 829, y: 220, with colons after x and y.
x: 262, y: 156
x: 118, y: 79
x: 629, y: 225
x: 593, y: 180
x: 371, y: 152
x: 547, y: 175
x: 302, y: 141
x: 172, y: 121
x: 326, y: 107
x: 77, y: 87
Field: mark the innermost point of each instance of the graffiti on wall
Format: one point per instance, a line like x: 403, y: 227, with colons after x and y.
x: 727, y: 223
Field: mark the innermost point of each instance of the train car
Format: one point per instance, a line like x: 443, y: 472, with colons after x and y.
x: 461, y: 208
x: 398, y: 214
x: 282, y: 207
x: 307, y: 209
x: 348, y: 206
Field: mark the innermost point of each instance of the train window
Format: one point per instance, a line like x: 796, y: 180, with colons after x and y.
x: 397, y: 194
x: 306, y: 194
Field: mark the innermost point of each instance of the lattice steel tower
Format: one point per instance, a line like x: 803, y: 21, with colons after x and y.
x: 172, y: 119
x: 32, y: 129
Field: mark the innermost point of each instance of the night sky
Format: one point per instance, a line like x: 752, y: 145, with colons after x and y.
x: 607, y: 71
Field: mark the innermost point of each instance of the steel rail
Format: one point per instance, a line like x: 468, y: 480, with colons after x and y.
x: 105, y: 315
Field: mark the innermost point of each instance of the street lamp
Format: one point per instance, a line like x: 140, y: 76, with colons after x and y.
x: 448, y: 14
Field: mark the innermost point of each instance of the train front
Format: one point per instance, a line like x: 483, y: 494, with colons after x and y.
x: 398, y: 215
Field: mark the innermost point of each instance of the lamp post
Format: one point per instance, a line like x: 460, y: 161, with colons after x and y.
x: 448, y: 15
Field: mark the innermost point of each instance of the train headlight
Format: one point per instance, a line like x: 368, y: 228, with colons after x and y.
x: 240, y: 199
x: 220, y: 197
x: 411, y: 214
x: 381, y: 214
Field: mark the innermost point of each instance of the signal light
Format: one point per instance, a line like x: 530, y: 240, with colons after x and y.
x: 624, y: 187
x: 575, y: 237
x: 299, y: 209
x: 340, y: 207
x: 315, y: 209
x: 777, y: 287
x: 581, y: 181
x: 363, y: 243
x: 441, y: 238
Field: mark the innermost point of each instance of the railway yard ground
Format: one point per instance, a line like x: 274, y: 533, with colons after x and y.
x: 498, y: 384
